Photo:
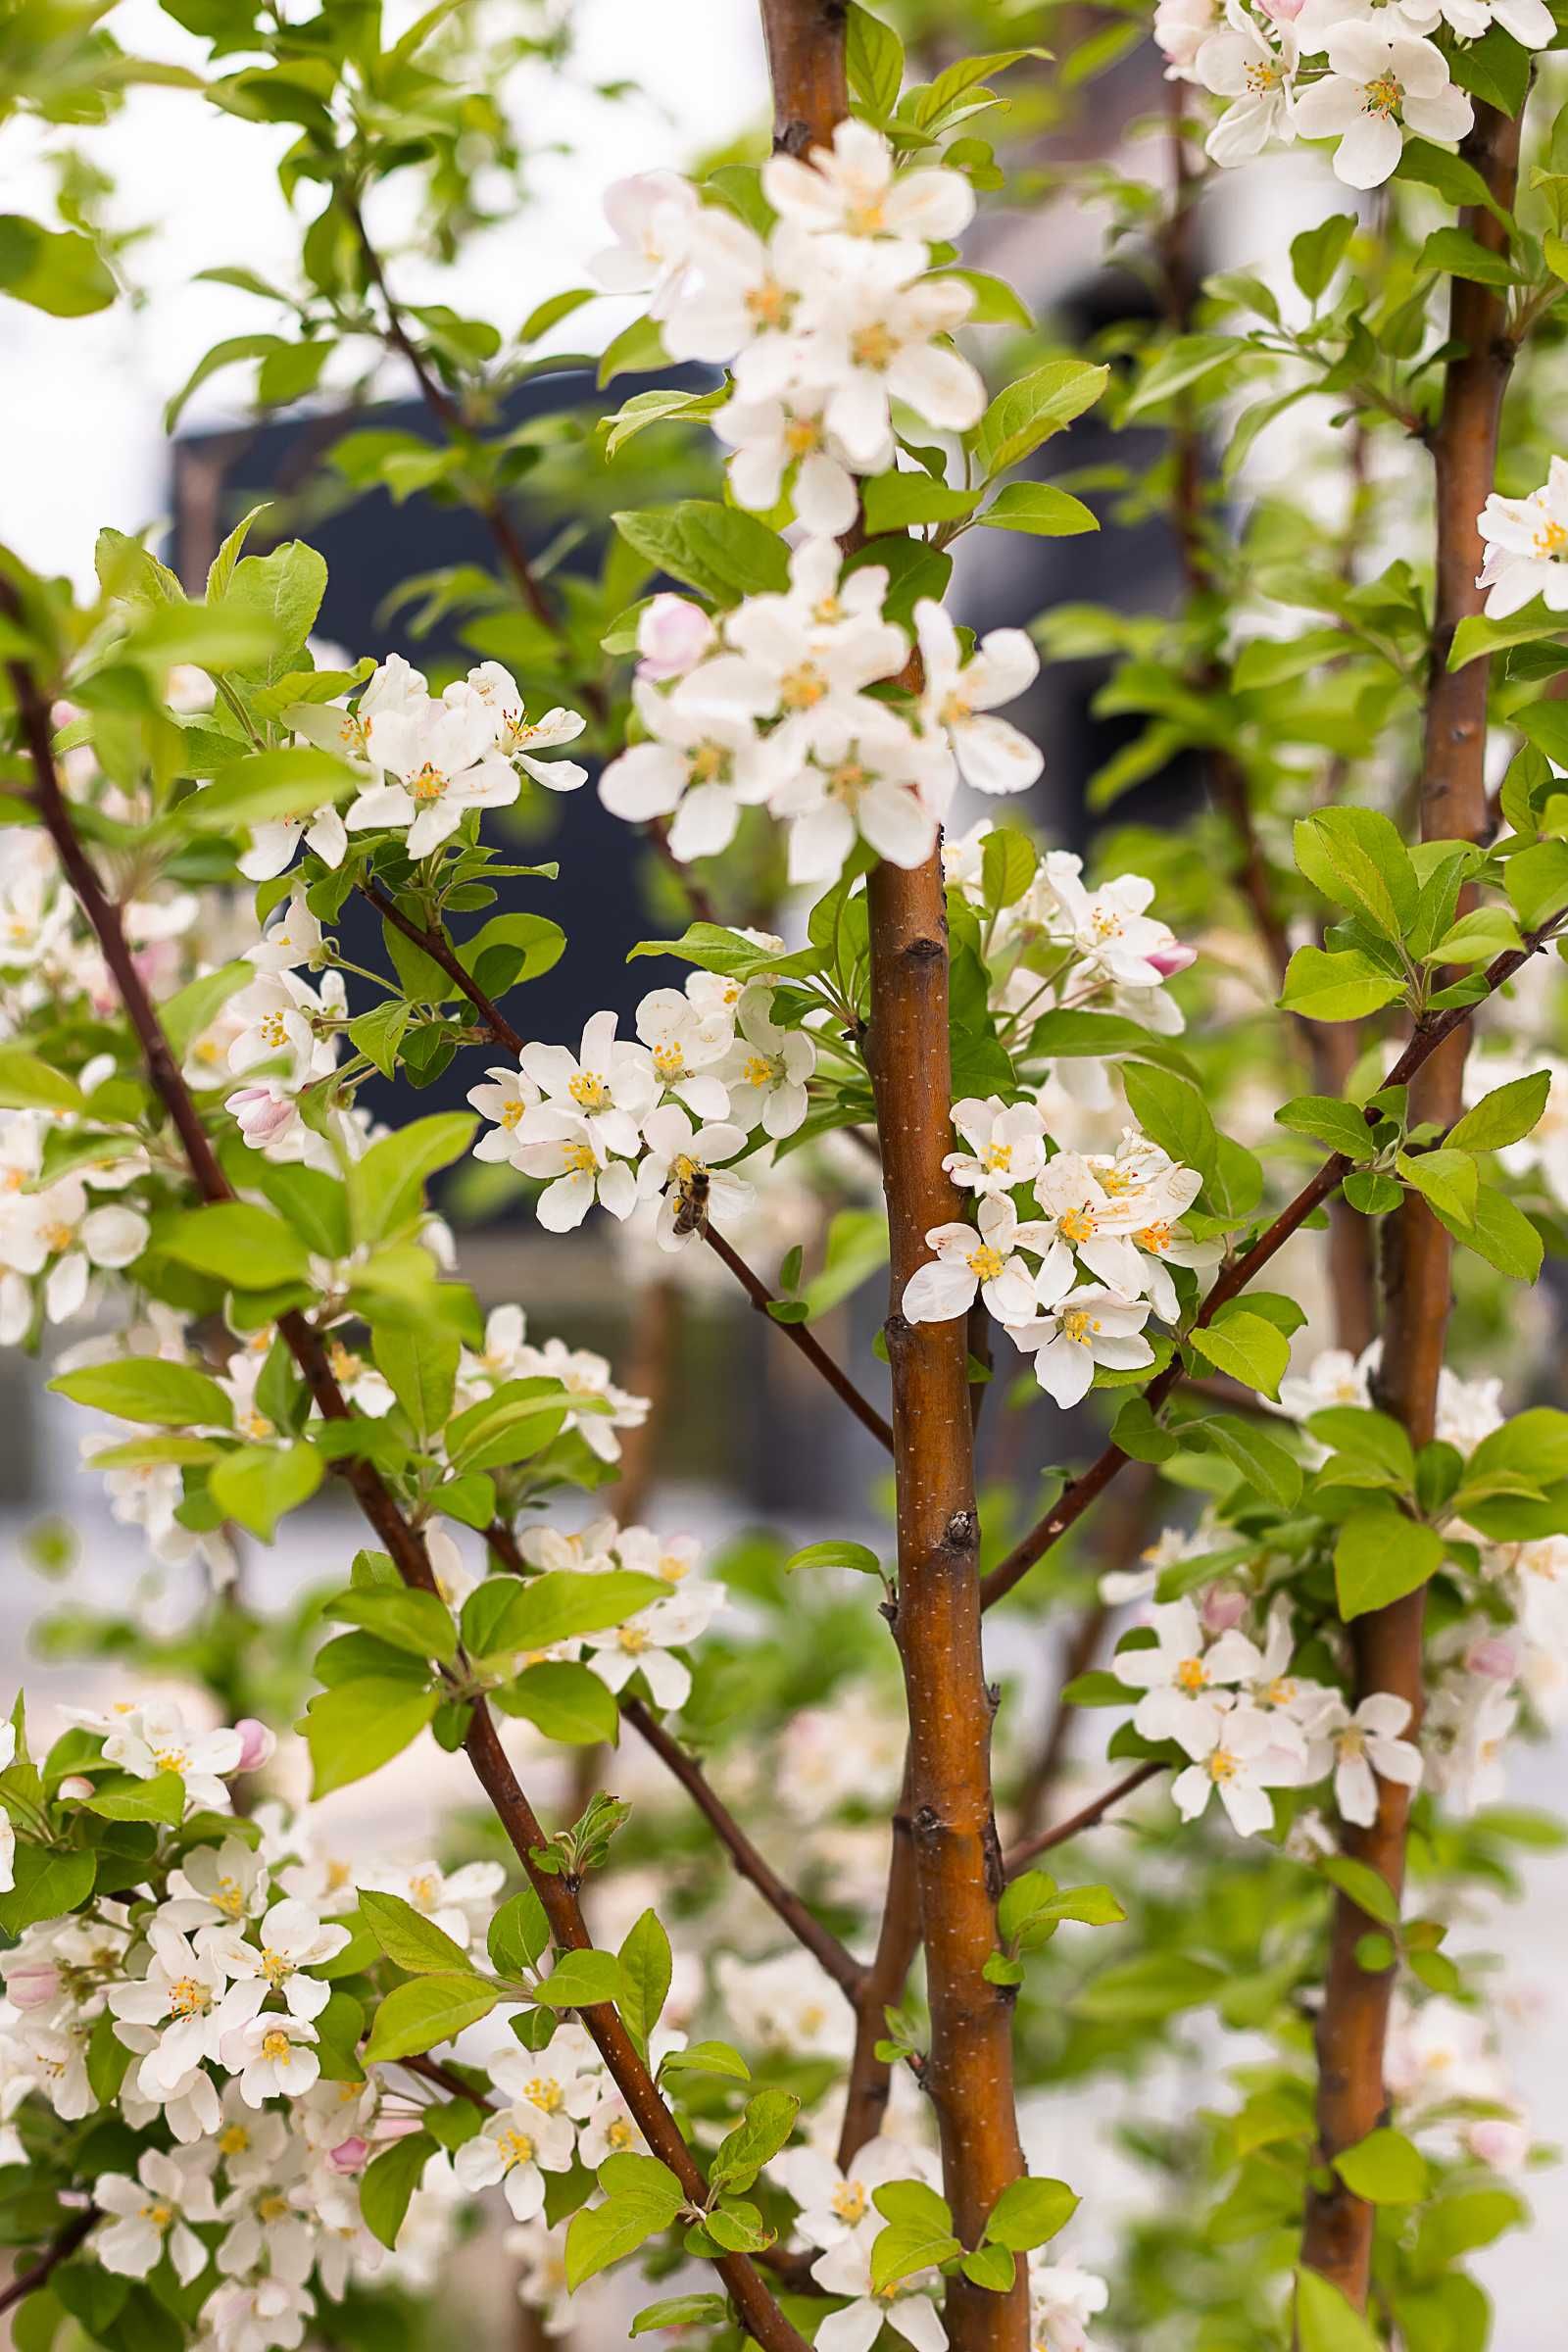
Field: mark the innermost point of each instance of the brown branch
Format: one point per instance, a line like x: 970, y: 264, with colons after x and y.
x: 624, y: 2062
x: 37, y: 2274
x: 803, y: 1925
x: 435, y: 944
x: 1029, y: 1848
x: 430, y: 2069
x: 881, y: 1988
x: 800, y: 1337
x: 1076, y: 1497
x: 1387, y: 1643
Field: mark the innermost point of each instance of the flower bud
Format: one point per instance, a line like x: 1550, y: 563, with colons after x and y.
x: 34, y: 1986
x: 1221, y: 1607
x: 1499, y: 2140
x: 1495, y: 1655
x: 263, y: 1114
x: 256, y: 1744
x: 673, y: 636
x: 75, y: 1787
x: 349, y: 2155
x: 1177, y: 957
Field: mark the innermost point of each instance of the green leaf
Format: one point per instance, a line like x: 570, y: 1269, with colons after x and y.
x: 1009, y: 861
x: 638, y: 2208
x: 388, y: 2182
x: 1447, y: 1179
x: 895, y: 502
x: 358, y: 1726
x: 518, y: 1934
x: 1476, y: 938
x: 1317, y: 253
x: 427, y: 2010
x: 763, y: 2129
x: 1028, y: 2212
x: 1041, y: 509
x: 1381, y: 1555
x: 678, y: 2311
x: 386, y: 1188
x: 874, y: 57
x: 1177, y: 368
x: 420, y: 1368
x: 1325, y: 2322
x: 905, y: 2247
x: 1155, y: 1987
x: 1385, y: 2168
x: 514, y: 1422
x: 992, y: 302
x: 1357, y: 858
x: 1247, y: 1347
x: 647, y: 1966
x: 1537, y: 882
x: 1458, y: 254
x: 48, y: 1881
x: 661, y: 407
x: 120, y: 1797
x: 582, y: 1980
x: 1366, y: 1887
x: 720, y: 550
x: 559, y: 1606
x: 565, y: 1702
x: 1262, y: 1461
x: 419, y: 1623
x: 1499, y: 1233
x: 1342, y: 985
x: 1173, y: 1112
x: 29, y: 1084
x: 1029, y: 412
x: 248, y: 1248
x: 836, y: 1554
x: 511, y: 948
x: 143, y: 1387
x: 258, y: 1484
x: 1504, y: 1116
x: 410, y: 1939
x: 262, y: 786
x: 1338, y: 1126
x: 53, y: 269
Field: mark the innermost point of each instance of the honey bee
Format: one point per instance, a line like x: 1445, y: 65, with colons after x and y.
x: 691, y: 1215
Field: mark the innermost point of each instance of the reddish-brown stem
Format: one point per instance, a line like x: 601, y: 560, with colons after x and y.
x: 1028, y: 1849
x: 806, y: 1929
x: 882, y: 1987
x: 434, y: 942
x: 651, y: 1372
x: 800, y: 1337
x: 1386, y: 1644
x: 1084, y: 1490
x: 404, y: 1546
x: 441, y: 2077
x: 39, y: 2273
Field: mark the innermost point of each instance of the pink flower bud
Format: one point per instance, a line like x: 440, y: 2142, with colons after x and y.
x: 1283, y: 12
x: 33, y: 1987
x: 673, y: 636
x: 349, y: 2155
x: 396, y: 2127
x: 1177, y: 957
x: 1494, y: 1655
x: 256, y: 1744
x: 73, y: 1788
x: 1500, y: 2141
x: 263, y: 1114
x: 1221, y: 1607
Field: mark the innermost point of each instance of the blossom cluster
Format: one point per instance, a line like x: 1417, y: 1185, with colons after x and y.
x: 771, y: 708
x: 1364, y: 73
x: 425, y: 761
x: 824, y: 321
x: 1526, y: 541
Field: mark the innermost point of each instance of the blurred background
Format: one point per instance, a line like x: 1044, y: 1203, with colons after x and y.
x: 739, y: 1428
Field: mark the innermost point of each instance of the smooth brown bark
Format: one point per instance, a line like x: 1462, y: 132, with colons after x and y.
x: 881, y: 1988
x: 751, y: 2297
x: 958, y: 1858
x: 1353, y: 2024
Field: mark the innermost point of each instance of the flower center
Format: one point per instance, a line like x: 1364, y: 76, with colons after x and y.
x: 759, y: 1070
x: 769, y: 304
x: 954, y: 709
x: 620, y: 2133
x: 580, y: 1158
x: 171, y: 1759
x: 848, y: 780
x: 848, y: 2202
x: 512, y: 1112
x: 516, y: 2148
x: 1079, y: 1225
x: 1155, y: 1238
x: 997, y: 1156
x: 1078, y: 1324
x: 1222, y: 1765
x: 57, y: 1236
x: 229, y: 1897
x: 158, y: 2213
x: 235, y: 2141
x: 589, y: 1090
x: 633, y: 1640
x: 275, y: 2045
x: 546, y: 2095
x: 669, y: 1061
x: 1265, y: 76
x: 275, y: 1029
x: 802, y: 436
x: 1191, y: 1675
x: 874, y: 346
x: 709, y: 764
x: 800, y: 689
x: 429, y: 784
x: 1551, y: 538
x: 1383, y: 96
x: 188, y: 1996
x: 425, y: 1890
x: 275, y: 1966
x: 986, y: 1263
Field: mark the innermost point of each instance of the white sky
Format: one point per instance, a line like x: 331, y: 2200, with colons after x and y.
x: 82, y: 398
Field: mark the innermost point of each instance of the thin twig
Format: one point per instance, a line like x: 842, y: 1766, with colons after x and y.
x: 799, y: 1337
x: 436, y: 945
x: 1085, y: 1817
x: 37, y: 2274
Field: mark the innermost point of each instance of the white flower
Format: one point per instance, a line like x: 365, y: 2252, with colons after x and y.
x: 958, y: 697
x: 741, y: 300
x: 652, y: 214
x: 1365, y: 1743
x: 1466, y: 1732
x: 1380, y: 86
x: 685, y: 1044
x: 333, y: 727
x: 187, y: 2002
x: 161, y: 1741
x: 802, y: 655
x: 869, y: 775
x: 834, y: 2202
x: 517, y: 2147
x: 851, y: 190
x: 59, y: 1224
x: 459, y: 1902
x: 1181, y: 27
x: 216, y: 1886
x: 267, y: 1115
x: 702, y: 768
x: 582, y: 1373
x: 276, y: 1017
x: 786, y: 444
x: 1080, y: 1212
x: 1107, y: 927
x: 503, y: 1100
x: 1006, y: 1145
x: 767, y: 1067
x: 292, y: 1939
x: 155, y: 2211
x: 274, y: 842
x: 443, y: 761
x: 1062, y: 2299
x: 294, y: 939
x: 1237, y: 1752
x: 495, y: 693
x: 846, y: 2270
x: 1527, y: 539
x: 607, y: 1083
x: 256, y: 2315
x: 1090, y: 1326
x: 1241, y: 65
x: 569, y: 1151
x: 968, y: 1262
x: 683, y: 1164
x: 645, y: 1644
x: 879, y: 336
x: 1180, y: 1676
x: 272, y: 2056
